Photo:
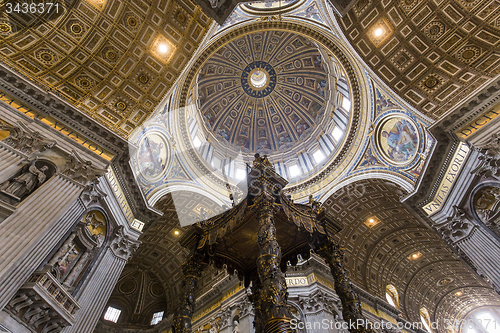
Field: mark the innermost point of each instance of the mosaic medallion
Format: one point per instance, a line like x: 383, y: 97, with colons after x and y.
x: 398, y: 139
x: 258, y: 79
x: 152, y: 156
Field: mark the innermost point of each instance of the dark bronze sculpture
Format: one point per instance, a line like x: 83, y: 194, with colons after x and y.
x: 284, y: 230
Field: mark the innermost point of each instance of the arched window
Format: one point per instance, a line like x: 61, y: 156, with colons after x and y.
x: 426, y: 319
x: 391, y: 294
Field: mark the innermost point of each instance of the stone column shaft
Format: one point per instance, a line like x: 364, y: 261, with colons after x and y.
x: 33, y: 230
x: 62, y: 249
x: 273, y: 291
x: 351, y: 305
x: 76, y: 269
x: 95, y: 295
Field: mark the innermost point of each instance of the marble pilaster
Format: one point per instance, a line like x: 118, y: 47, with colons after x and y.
x: 484, y: 251
x: 101, y: 281
x: 98, y: 288
x: 33, y: 230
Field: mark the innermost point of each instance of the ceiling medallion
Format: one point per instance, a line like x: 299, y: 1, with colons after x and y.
x: 398, y: 139
x: 258, y: 79
x: 76, y: 29
x: 5, y: 27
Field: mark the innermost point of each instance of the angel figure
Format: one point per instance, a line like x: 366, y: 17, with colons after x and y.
x: 25, y: 183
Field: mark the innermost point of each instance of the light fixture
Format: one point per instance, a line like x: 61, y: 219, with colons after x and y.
x: 378, y: 32
x: 458, y: 293
x: 372, y: 221
x: 176, y: 232
x: 415, y: 256
x: 162, y: 48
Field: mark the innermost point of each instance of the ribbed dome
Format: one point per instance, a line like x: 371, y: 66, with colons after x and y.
x: 264, y: 92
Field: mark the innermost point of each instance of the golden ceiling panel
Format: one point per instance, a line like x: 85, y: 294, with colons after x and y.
x: 113, y: 59
x: 433, y: 53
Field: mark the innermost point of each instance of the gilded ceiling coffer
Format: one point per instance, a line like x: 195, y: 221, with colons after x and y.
x: 257, y: 237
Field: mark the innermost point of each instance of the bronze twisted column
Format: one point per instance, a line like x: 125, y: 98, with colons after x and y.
x: 273, y: 291
x: 192, y: 269
x: 351, y: 305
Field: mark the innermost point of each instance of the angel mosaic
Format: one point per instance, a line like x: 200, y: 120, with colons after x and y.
x: 152, y: 156
x: 399, y: 140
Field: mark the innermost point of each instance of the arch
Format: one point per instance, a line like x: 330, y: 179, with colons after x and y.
x: 392, y: 296
x: 397, y: 181
x: 160, y: 193
x: 426, y: 319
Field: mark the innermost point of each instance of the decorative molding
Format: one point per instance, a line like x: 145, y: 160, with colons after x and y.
x: 26, y: 140
x: 122, y: 245
x: 81, y: 170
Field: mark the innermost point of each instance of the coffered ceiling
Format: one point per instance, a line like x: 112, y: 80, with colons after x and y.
x: 433, y: 53
x: 113, y: 59
x: 381, y: 253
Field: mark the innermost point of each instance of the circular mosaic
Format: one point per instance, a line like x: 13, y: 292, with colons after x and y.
x: 152, y: 156
x: 258, y: 79
x: 398, y: 139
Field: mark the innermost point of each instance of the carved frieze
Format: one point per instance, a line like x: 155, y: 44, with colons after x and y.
x: 489, y: 157
x: 81, y: 170
x: 317, y: 303
x: 26, y: 140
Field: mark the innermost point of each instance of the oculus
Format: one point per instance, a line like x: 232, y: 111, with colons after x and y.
x: 258, y: 79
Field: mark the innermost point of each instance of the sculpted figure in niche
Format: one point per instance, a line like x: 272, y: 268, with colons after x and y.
x: 22, y: 185
x: 236, y: 324
x: 487, y: 206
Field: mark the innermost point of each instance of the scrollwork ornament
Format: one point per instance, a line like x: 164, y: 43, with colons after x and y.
x: 26, y: 140
x: 122, y: 245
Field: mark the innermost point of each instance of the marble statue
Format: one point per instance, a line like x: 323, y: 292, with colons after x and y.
x: 25, y: 183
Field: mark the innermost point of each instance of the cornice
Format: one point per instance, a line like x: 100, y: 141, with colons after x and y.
x: 447, y: 141
x: 49, y: 104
